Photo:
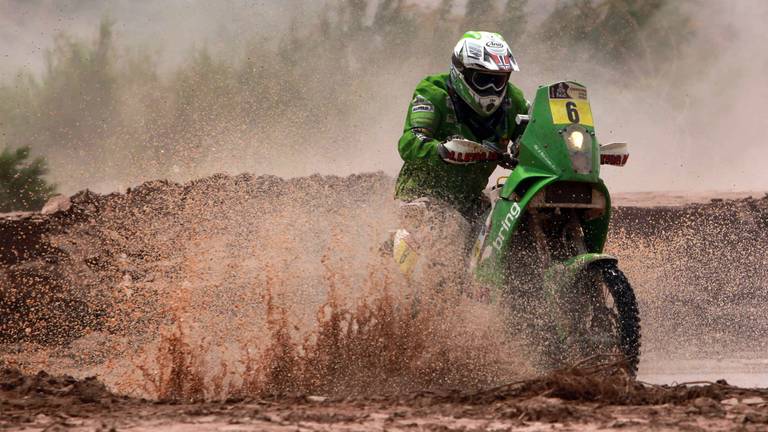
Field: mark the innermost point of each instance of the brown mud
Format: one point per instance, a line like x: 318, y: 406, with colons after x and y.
x: 566, y: 401
x: 241, y: 288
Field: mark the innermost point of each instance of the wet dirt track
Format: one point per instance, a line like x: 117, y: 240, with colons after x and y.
x: 71, y: 277
x: 567, y: 402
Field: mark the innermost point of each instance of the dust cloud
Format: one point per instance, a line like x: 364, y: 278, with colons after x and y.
x: 689, y: 117
x: 695, y: 130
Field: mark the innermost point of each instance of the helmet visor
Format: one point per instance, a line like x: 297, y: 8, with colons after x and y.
x: 488, y: 82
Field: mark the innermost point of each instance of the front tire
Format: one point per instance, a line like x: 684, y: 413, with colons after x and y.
x: 628, y: 314
x: 596, y: 316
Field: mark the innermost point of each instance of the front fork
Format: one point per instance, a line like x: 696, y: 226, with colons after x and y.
x: 571, y: 238
x: 562, y: 253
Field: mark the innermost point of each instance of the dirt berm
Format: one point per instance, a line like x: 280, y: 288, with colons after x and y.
x: 700, y: 270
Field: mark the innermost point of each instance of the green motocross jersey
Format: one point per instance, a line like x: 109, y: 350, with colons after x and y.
x: 431, y: 120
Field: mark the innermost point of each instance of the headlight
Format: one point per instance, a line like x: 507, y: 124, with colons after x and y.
x: 579, y: 143
x: 575, y: 140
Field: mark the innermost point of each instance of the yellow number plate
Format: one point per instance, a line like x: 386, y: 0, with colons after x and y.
x: 569, y: 104
x: 567, y: 111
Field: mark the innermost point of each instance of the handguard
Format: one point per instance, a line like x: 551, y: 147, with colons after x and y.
x: 463, y: 152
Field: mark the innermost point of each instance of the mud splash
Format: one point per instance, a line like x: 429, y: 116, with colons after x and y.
x: 377, y: 348
x: 699, y: 272
x: 231, y: 286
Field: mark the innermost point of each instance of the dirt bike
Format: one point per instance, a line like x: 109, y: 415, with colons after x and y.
x: 544, y: 235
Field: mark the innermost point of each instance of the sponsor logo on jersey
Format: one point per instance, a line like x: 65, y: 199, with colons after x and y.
x: 423, y: 134
x: 423, y: 108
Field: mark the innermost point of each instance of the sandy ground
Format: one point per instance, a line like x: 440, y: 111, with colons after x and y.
x: 568, y: 402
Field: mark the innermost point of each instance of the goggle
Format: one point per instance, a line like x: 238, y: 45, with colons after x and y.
x: 484, y: 80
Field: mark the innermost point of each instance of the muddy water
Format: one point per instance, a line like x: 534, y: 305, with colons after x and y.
x: 747, y: 370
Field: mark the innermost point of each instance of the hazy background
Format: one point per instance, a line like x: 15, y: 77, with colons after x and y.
x: 117, y: 92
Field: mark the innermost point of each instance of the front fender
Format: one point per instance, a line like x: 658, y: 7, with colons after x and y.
x: 559, y: 281
x: 563, y: 274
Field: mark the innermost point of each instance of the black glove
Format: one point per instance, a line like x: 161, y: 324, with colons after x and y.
x: 507, y: 161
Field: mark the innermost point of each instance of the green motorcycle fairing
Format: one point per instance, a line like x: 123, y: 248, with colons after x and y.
x: 547, y: 153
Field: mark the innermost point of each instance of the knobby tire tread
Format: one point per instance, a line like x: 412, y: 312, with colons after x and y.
x: 629, y: 314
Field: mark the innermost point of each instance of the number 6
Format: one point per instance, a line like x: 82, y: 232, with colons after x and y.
x: 572, y: 112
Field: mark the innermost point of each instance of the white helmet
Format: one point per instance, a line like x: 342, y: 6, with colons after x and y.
x: 480, y: 68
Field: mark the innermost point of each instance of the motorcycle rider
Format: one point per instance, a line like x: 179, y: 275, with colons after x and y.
x: 457, y: 130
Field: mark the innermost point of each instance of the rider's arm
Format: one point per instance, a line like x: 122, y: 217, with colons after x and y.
x: 422, y: 121
x: 520, y: 105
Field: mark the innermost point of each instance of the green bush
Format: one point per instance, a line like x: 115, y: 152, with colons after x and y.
x: 22, y: 186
